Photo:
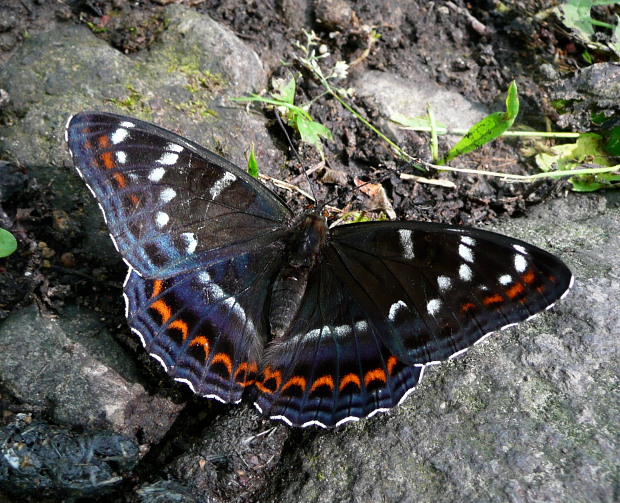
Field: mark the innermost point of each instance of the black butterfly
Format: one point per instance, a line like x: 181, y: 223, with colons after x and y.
x: 235, y: 295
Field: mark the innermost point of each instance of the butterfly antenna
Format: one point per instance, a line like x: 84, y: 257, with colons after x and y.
x: 288, y: 138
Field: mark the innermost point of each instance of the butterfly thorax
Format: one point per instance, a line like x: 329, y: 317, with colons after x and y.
x: 300, y: 254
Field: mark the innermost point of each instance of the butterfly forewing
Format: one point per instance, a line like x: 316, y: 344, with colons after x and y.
x: 170, y: 204
x: 434, y: 290
x: 206, y: 243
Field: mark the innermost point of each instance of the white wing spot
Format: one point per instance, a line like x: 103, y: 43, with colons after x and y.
x: 468, y: 241
x: 520, y: 263
x: 465, y: 272
x: 121, y: 157
x: 361, y: 326
x: 406, y: 242
x: 127, y: 124
x: 505, y: 279
x: 157, y: 174
x: 466, y: 253
x: 173, y: 147
x: 119, y: 135
x: 161, y: 219
x: 444, y: 283
x: 342, y: 331
x: 167, y: 195
x: 397, y: 306
x: 191, y: 241
x: 520, y: 249
x: 433, y: 306
x: 221, y: 184
x: 168, y: 159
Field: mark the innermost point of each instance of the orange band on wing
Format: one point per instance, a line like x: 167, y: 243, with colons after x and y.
x: 375, y: 375
x: 325, y: 380
x: 350, y: 378
x: 202, y: 341
x: 163, y: 309
x: 179, y: 325
x: 224, y: 359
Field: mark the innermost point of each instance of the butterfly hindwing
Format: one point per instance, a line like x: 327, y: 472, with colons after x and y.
x: 332, y: 366
x: 205, y: 326
x: 170, y: 204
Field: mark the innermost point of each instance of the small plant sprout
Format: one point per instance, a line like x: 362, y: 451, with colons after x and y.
x: 8, y: 243
x: 496, y: 124
x: 252, y: 164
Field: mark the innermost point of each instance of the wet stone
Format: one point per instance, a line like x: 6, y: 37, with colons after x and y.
x: 75, y: 371
x: 37, y: 458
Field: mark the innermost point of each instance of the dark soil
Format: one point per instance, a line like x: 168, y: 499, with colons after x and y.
x: 475, y: 49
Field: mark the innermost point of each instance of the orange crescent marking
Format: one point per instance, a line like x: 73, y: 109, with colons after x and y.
x: 528, y: 277
x: 134, y: 199
x: 157, y: 287
x: 295, y: 381
x: 515, y: 290
x: 106, y: 157
x: 224, y: 359
x: 354, y: 378
x: 468, y: 306
x: 246, y: 368
x: 179, y: 325
x: 493, y: 299
x: 391, y: 363
x: 268, y: 374
x: 375, y: 375
x: 120, y: 179
x: 163, y: 309
x: 201, y: 340
x: 325, y: 380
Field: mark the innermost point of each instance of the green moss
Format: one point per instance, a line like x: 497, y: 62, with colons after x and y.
x: 196, y: 108
x: 133, y: 101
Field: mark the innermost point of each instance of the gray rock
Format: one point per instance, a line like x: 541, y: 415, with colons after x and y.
x: 43, y: 460
x: 74, y: 370
x: 182, y: 83
x: 395, y: 94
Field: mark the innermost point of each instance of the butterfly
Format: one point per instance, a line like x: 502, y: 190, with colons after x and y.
x: 236, y: 296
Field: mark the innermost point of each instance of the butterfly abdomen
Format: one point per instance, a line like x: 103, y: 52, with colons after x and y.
x: 301, y: 252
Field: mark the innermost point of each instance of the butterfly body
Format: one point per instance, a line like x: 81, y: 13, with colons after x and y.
x: 301, y: 253
x: 236, y: 296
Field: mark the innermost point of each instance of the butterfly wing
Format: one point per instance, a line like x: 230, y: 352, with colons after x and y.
x: 205, y: 326
x: 200, y: 237
x: 332, y: 366
x: 170, y: 205
x: 385, y: 300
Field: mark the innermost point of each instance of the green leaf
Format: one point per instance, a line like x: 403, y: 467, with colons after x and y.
x: 311, y: 132
x: 575, y: 15
x: 252, y: 164
x: 612, y: 146
x: 8, y: 243
x: 590, y: 183
x: 417, y: 123
x: 283, y: 90
x: 589, y: 148
x: 488, y: 128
